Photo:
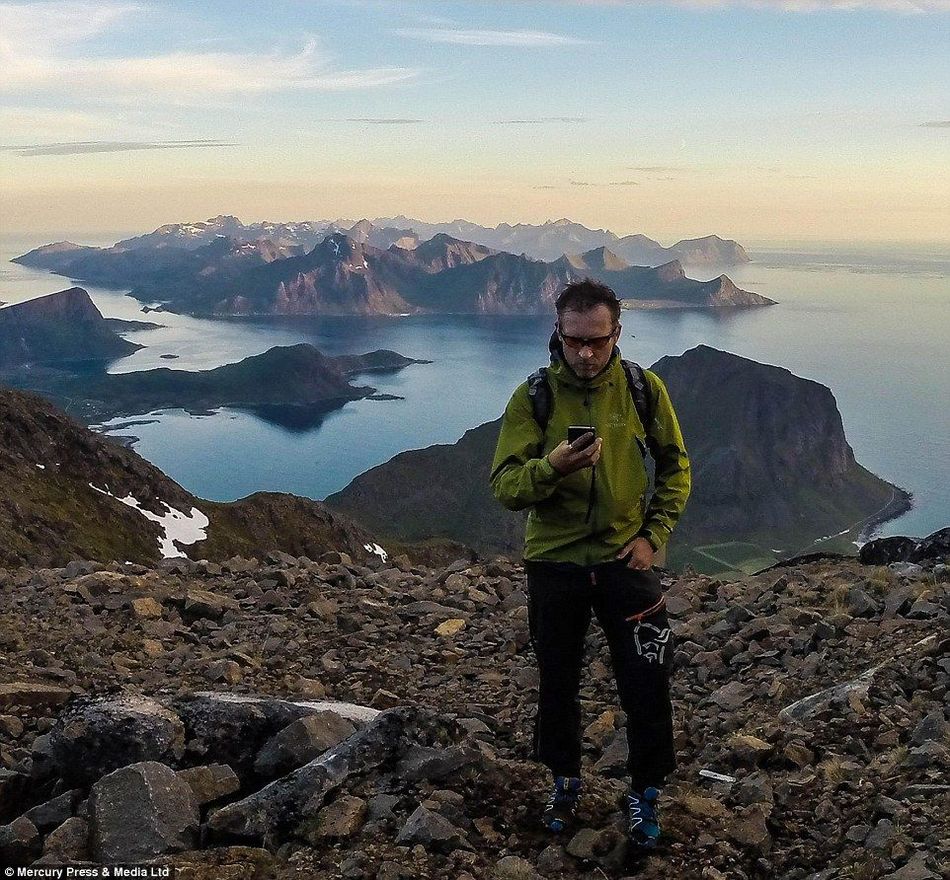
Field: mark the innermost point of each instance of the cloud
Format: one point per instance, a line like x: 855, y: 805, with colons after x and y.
x: 471, y: 37
x: 39, y: 43
x: 938, y: 123
x: 542, y: 120
x: 76, y: 148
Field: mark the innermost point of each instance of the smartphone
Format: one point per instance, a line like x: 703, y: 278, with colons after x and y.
x: 575, y: 432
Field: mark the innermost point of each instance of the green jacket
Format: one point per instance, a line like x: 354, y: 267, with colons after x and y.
x: 615, y: 491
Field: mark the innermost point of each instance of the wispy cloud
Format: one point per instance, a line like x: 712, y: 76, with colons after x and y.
x: 38, y: 52
x: 543, y: 120
x: 938, y: 123
x: 75, y: 148
x: 379, y: 120
x: 906, y: 7
x: 475, y: 37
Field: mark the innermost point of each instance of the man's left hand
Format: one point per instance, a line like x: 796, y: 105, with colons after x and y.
x: 640, y: 552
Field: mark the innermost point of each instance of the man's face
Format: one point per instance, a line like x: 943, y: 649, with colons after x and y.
x: 597, y: 326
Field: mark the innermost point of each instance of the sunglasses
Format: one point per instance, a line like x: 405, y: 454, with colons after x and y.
x: 592, y: 342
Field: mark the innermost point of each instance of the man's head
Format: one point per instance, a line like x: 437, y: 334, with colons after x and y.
x: 588, y: 325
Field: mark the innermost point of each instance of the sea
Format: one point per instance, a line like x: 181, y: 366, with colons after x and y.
x: 870, y: 322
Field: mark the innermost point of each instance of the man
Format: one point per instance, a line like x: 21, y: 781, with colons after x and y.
x: 590, y: 542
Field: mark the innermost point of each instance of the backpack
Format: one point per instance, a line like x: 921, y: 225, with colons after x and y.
x: 539, y: 392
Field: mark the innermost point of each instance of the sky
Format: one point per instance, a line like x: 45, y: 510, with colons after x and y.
x: 759, y: 120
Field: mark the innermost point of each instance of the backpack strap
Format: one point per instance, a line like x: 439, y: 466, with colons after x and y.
x: 640, y: 392
x: 539, y: 393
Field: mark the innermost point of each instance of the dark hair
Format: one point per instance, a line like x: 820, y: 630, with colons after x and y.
x: 582, y: 296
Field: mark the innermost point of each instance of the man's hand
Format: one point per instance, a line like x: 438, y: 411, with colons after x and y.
x: 566, y: 458
x: 640, y: 552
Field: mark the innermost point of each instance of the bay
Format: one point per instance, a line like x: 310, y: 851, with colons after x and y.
x: 871, y: 323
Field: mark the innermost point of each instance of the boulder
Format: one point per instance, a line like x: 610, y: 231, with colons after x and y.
x: 232, y: 728
x: 301, y: 794
x: 95, y: 736
x: 141, y: 811
x: 883, y: 551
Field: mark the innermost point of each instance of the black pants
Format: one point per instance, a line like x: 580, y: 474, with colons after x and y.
x: 561, y: 597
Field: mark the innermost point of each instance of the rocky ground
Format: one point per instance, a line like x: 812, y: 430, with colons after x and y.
x: 102, y: 671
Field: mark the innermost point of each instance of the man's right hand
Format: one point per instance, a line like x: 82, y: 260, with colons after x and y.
x: 566, y: 458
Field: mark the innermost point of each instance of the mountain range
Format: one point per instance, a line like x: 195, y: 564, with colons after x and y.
x: 343, y: 273
x: 772, y: 472
x: 545, y: 241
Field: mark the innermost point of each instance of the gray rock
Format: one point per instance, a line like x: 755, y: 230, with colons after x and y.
x: 430, y: 829
x: 880, y: 836
x: 142, y: 811
x: 54, y: 812
x: 811, y: 705
x: 933, y: 726
x: 301, y: 741
x: 381, y: 807
x: 613, y: 760
x: 232, y: 728
x: 731, y: 695
x: 860, y: 604
x: 95, y: 737
x: 422, y: 762
x: 301, y: 793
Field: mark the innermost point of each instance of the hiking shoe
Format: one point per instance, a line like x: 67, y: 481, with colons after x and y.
x: 562, y: 804
x: 643, y: 818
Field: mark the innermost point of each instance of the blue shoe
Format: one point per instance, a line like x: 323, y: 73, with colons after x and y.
x: 643, y: 818
x: 562, y: 804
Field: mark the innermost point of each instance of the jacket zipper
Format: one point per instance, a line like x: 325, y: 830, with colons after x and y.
x: 593, y: 477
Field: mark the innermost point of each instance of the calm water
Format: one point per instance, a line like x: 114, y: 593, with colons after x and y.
x: 873, y: 326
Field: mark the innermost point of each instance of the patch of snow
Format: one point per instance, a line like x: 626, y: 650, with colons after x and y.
x: 377, y: 550
x: 42, y: 467
x: 183, y: 528
x: 336, y: 246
